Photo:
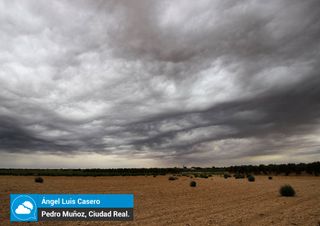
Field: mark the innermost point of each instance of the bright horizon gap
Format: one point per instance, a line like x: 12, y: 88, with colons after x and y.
x: 103, y: 160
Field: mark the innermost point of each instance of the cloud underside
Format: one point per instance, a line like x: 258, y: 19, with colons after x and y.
x: 176, y: 81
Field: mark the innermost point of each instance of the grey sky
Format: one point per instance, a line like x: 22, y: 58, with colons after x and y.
x: 159, y: 83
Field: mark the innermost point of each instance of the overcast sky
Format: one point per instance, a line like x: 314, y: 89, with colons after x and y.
x: 159, y: 83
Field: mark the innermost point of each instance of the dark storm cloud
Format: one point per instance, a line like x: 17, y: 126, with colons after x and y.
x: 291, y: 111
x: 175, y: 81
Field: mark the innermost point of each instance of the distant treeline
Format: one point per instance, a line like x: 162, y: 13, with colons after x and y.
x: 286, y: 169
x: 91, y: 172
x: 280, y: 169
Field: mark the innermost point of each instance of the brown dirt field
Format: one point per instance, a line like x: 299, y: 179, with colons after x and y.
x: 158, y: 201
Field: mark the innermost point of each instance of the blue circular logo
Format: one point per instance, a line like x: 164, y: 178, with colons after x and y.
x: 24, y: 208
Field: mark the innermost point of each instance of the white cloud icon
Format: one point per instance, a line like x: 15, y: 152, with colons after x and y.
x: 28, y: 205
x: 22, y: 210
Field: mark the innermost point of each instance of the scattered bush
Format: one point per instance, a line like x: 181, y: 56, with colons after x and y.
x: 239, y: 176
x: 270, y: 178
x: 173, y: 178
x: 193, y: 184
x: 203, y: 176
x: 287, y: 190
x: 38, y: 180
x: 226, y: 175
x: 251, y: 178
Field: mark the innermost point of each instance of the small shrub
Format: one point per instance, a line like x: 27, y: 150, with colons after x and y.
x: 226, y: 175
x: 203, y: 176
x: 239, y: 176
x: 193, y: 184
x: 172, y: 178
x: 270, y: 178
x: 287, y: 190
x: 38, y: 180
x: 251, y: 178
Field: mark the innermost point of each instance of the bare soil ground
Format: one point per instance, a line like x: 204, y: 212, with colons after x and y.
x: 158, y: 201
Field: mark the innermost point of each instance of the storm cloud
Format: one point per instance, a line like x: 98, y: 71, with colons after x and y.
x: 175, y: 82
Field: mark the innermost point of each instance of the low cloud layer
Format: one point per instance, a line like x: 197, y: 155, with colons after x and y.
x: 172, y: 82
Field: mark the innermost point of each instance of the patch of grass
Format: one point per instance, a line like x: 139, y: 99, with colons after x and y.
x: 287, y: 191
x: 251, y: 178
x: 38, y: 180
x: 193, y: 184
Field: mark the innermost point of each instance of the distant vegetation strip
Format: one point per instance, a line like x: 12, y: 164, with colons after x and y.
x: 272, y: 169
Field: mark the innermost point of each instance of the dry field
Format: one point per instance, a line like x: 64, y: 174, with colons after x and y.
x: 158, y: 201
